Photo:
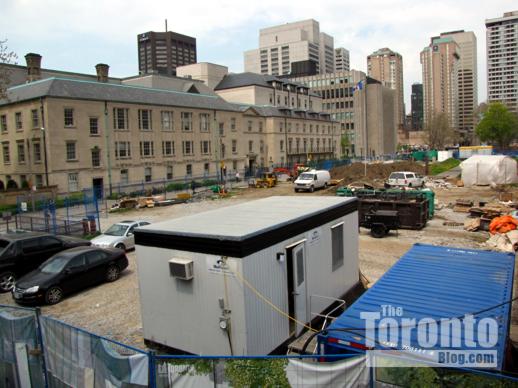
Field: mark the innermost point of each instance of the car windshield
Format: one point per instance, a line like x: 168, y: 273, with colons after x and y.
x: 3, y: 244
x: 306, y: 176
x: 54, y: 265
x: 397, y: 175
x: 116, y: 230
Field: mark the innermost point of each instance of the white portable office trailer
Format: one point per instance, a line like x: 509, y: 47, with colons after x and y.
x: 225, y: 281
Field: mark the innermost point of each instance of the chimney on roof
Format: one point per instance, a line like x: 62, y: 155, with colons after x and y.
x: 102, y: 72
x: 33, y: 67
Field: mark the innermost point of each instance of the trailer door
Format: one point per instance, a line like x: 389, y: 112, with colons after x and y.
x: 299, y: 286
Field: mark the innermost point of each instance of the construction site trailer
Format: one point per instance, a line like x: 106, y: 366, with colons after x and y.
x: 226, y: 281
x: 432, y: 283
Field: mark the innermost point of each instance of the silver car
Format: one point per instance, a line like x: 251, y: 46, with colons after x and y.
x: 119, y: 235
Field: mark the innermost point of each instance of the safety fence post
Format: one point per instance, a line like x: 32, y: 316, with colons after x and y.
x: 42, y: 347
x: 152, y: 369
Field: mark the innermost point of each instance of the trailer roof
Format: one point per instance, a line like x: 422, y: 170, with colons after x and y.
x: 435, y: 282
x: 247, y: 227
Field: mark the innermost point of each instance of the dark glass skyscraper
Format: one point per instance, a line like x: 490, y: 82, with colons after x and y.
x: 163, y: 52
x: 417, y: 107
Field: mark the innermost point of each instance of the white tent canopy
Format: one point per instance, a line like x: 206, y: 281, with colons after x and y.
x: 488, y: 170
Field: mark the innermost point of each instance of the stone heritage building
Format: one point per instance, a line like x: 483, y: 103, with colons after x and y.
x: 77, y: 133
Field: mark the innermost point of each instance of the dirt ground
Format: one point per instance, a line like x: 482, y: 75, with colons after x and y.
x: 113, y: 309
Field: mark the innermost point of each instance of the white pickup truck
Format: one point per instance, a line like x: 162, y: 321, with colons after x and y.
x: 405, y: 179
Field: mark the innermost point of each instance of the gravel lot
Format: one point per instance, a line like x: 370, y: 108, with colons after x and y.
x: 113, y: 309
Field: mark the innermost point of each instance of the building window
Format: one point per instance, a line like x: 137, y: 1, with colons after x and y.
x: 147, y: 174
x: 222, y: 150
x: 261, y: 146
x: 96, y: 157
x: 250, y: 145
x: 5, y: 150
x: 120, y: 118
x: 206, y: 168
x: 124, y: 176
x: 205, y: 147
x: 233, y: 123
x: 234, y: 165
x: 3, y: 123
x: 186, y: 121
x: 187, y: 147
x: 260, y: 126
x: 147, y: 149
x: 71, y: 150
x: 35, y: 118
x: 169, y: 172
x: 73, y: 182
x: 222, y: 129
x: 168, y: 148
x: 21, y: 151
x: 249, y: 125
x: 122, y: 150
x: 281, y: 144
x: 166, y: 118
x: 145, y: 120
x: 94, y: 126
x: 188, y: 169
x: 337, y: 238
x: 39, y: 181
x: 36, y: 148
x: 69, y: 117
x: 18, y: 120
x: 204, y: 122
x: 234, y: 146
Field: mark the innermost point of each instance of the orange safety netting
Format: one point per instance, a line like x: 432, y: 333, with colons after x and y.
x: 503, y: 224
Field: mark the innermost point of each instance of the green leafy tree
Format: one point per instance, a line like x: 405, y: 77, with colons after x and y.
x: 498, y: 125
x: 8, y: 57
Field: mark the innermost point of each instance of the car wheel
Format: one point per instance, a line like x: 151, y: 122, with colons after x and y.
x: 7, y: 280
x: 410, y: 185
x: 312, y: 189
x: 325, y: 185
x: 377, y: 231
x: 121, y: 246
x: 112, y: 273
x: 296, y: 190
x: 53, y: 295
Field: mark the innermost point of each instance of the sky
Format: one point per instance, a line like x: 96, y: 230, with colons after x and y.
x: 75, y: 35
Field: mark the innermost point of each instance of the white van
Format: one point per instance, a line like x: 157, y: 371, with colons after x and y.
x: 311, y: 180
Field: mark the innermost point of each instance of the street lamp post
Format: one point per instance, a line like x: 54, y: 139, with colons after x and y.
x: 44, y: 142
x: 107, y: 140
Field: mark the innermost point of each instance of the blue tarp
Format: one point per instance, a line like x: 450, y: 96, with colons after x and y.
x: 432, y: 282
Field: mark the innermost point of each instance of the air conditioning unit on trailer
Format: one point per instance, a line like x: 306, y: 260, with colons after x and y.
x: 181, y: 268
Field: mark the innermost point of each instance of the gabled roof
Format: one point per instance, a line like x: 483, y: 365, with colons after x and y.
x: 99, y: 91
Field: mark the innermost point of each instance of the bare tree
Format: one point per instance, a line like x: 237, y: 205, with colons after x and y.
x: 439, y: 131
x: 6, y: 57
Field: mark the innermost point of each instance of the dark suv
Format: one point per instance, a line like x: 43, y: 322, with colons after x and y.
x: 22, y: 252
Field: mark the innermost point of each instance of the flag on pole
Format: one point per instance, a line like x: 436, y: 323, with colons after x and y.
x: 359, y: 86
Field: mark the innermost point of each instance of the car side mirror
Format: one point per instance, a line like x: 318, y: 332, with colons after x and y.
x: 130, y: 233
x: 68, y: 271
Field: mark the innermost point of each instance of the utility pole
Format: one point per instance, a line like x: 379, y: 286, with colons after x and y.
x: 107, y: 141
x: 217, y: 146
x: 43, y: 130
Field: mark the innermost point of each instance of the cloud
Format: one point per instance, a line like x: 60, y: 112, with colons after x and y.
x: 75, y: 35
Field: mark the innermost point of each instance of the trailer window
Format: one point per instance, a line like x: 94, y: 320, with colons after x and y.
x: 300, y: 267
x: 337, y: 237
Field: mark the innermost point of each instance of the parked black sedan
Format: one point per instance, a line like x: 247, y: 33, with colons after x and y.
x: 69, y: 271
x: 22, y: 252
